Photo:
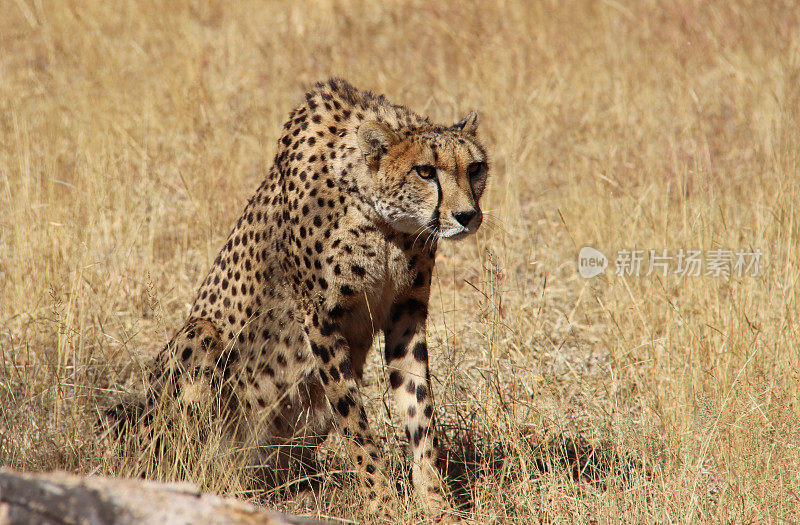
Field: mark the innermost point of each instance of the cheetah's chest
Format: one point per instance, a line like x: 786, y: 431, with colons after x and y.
x: 386, y: 279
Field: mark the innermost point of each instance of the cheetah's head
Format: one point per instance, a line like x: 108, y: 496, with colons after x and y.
x: 427, y: 180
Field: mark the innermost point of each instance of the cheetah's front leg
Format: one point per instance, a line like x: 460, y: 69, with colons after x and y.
x: 407, y: 359
x: 335, y: 368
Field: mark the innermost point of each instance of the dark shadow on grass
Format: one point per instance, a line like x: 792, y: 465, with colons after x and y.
x: 467, y: 461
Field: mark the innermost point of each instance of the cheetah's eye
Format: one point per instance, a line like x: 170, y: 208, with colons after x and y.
x: 426, y: 172
x: 475, y: 169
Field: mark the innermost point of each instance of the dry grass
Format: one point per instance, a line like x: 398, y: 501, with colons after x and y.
x: 131, y: 134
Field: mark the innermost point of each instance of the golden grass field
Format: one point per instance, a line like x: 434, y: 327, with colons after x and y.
x: 132, y: 134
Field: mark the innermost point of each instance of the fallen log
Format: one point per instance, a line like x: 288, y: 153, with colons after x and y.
x: 64, y: 498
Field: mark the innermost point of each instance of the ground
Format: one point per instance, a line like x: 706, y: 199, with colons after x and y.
x: 131, y: 136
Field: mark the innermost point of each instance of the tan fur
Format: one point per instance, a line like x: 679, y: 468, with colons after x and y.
x: 337, y: 244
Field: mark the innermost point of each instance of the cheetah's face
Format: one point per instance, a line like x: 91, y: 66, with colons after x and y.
x: 427, y: 181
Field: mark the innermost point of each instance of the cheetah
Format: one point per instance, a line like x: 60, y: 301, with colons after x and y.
x: 337, y: 244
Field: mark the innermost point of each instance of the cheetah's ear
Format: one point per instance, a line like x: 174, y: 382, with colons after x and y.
x: 468, y: 124
x: 375, y: 138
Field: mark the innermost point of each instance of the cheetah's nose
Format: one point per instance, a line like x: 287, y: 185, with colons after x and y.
x: 464, y: 217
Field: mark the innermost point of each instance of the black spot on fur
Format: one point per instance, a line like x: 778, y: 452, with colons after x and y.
x: 420, y: 352
x: 395, y: 379
x: 422, y: 393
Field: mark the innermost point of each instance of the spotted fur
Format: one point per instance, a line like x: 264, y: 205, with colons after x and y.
x: 337, y: 244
